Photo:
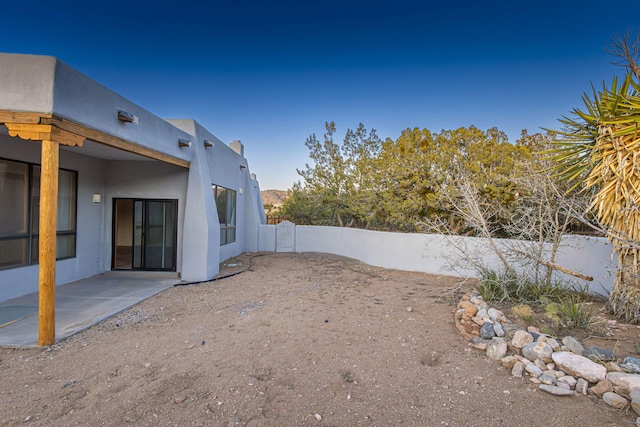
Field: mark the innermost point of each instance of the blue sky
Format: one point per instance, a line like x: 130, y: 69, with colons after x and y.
x: 272, y: 73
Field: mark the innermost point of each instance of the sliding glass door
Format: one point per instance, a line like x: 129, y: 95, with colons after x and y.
x: 144, y: 234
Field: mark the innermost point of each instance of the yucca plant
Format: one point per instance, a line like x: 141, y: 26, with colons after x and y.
x: 599, y: 149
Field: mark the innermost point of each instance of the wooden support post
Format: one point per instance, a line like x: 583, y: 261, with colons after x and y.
x: 47, y: 243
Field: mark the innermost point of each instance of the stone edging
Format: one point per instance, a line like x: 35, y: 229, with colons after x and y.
x: 562, y: 368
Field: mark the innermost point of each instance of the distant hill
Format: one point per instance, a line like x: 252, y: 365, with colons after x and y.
x: 273, y: 198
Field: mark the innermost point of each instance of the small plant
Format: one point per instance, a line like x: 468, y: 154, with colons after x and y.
x: 547, y: 329
x: 552, y: 311
x: 524, y: 312
x: 491, y: 288
x: 576, y: 313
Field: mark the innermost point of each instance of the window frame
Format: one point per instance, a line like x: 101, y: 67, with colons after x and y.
x: 227, y: 228
x: 29, y: 238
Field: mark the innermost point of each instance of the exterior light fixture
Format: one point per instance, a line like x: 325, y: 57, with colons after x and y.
x: 208, y: 143
x: 126, y: 117
x: 184, y: 143
x: 242, y: 166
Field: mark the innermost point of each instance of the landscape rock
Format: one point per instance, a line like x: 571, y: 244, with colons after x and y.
x: 601, y: 388
x: 560, y: 369
x: 631, y: 365
x: 510, y: 329
x: 573, y: 345
x: 479, y: 343
x: 551, y: 341
x: 508, y: 362
x: 494, y: 314
x: 518, y: 369
x: 482, y: 314
x: 533, y: 370
x: 582, y: 386
x: 579, y: 366
x: 521, y: 338
x: 497, y: 328
x: 569, y: 380
x: 555, y: 390
x: 538, y: 351
x: 547, y: 379
x: 540, y: 364
x: 468, y: 308
x: 623, y: 383
x: 615, y: 400
x: 486, y: 331
x: 635, y: 400
x: 598, y: 354
x: 496, y: 348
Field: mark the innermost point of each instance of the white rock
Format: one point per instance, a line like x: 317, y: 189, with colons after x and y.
x: 614, y: 400
x: 318, y: 417
x: 623, y: 383
x: 494, y: 314
x: 582, y: 386
x: 635, y: 400
x: 557, y: 391
x: 521, y: 338
x: 538, y: 350
x: 496, y: 348
x: 518, y: 369
x: 579, y: 366
x: 533, y: 370
x: 573, y: 344
x: 569, y: 380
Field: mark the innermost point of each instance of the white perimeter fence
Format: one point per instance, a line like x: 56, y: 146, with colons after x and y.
x: 433, y: 253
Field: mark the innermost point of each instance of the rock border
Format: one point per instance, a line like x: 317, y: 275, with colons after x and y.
x: 561, y: 368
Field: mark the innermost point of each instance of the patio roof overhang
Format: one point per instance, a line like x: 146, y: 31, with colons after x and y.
x: 48, y: 127
x: 52, y: 131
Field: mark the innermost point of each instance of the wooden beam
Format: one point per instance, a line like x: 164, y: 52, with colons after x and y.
x: 113, y: 141
x: 44, y: 132
x: 41, y: 126
x: 22, y: 117
x: 47, y: 243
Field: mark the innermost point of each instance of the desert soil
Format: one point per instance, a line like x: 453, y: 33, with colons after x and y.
x: 295, y: 340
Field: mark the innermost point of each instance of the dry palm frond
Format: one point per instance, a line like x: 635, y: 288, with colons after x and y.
x: 601, y: 148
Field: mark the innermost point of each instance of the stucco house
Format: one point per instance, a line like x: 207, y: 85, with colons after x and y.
x: 91, y: 182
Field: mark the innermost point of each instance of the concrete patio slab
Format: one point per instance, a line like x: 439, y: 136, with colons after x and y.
x: 84, y: 303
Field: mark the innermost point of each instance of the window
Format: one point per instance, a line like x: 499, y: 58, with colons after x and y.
x: 20, y: 213
x: 226, y: 203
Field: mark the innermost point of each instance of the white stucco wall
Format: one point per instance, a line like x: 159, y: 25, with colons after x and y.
x: 434, y: 254
x: 90, y: 257
x: 26, y: 82
x: 221, y: 165
x: 144, y: 180
x: 41, y: 84
x: 47, y: 85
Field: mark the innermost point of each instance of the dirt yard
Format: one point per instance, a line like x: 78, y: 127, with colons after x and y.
x: 296, y: 340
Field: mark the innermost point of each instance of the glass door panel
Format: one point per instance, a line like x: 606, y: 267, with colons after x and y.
x: 152, y: 234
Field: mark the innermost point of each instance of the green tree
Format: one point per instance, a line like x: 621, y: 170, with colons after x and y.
x: 337, y: 186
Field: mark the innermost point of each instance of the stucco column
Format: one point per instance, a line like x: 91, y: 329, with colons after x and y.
x: 47, y: 243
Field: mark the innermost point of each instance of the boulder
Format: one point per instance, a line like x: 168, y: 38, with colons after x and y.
x: 623, y: 383
x: 579, y: 366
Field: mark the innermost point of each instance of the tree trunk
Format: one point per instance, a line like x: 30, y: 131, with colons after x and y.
x: 624, y: 299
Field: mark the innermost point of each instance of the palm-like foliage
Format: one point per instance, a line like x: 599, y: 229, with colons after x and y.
x: 600, y: 148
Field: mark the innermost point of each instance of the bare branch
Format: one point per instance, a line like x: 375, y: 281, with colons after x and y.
x: 626, y: 47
